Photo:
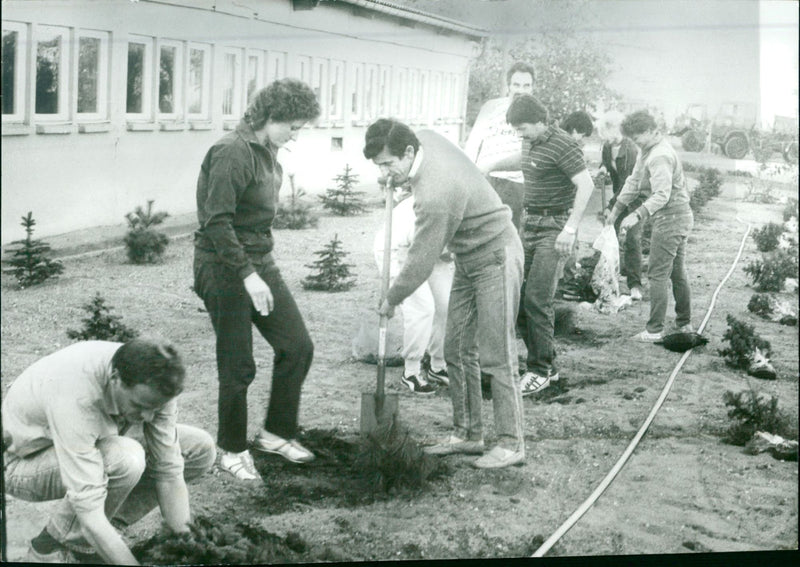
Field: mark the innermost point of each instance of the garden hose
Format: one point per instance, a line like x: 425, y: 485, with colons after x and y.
x: 584, y: 507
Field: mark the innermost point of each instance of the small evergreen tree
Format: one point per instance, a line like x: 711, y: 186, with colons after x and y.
x: 101, y: 325
x: 296, y: 214
x: 744, y: 341
x: 145, y: 245
x: 30, y: 261
x: 343, y: 200
x: 332, y: 273
x: 767, y: 236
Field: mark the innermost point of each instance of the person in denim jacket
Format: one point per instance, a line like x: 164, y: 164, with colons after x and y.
x: 658, y: 176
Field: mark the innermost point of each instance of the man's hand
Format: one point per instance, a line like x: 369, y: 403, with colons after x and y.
x: 564, y: 242
x: 386, y: 309
x: 629, y: 222
x: 259, y: 292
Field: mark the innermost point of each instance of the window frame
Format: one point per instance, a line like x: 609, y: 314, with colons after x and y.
x: 21, y: 101
x: 370, y: 92
x: 276, y: 66
x: 205, y: 94
x: 413, y: 93
x: 238, y: 88
x: 147, y: 77
x: 63, y: 73
x: 177, y: 82
x: 303, y: 68
x: 320, y: 68
x: 384, y: 90
x: 399, y: 96
x: 103, y: 75
x: 435, y: 108
x: 424, y: 89
x: 357, y: 92
x: 336, y: 81
x: 260, y: 73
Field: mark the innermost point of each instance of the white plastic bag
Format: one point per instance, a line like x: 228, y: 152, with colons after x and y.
x: 605, y: 278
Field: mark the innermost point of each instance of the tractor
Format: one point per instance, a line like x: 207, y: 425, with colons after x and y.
x: 691, y: 126
x: 733, y: 127
x: 782, y: 138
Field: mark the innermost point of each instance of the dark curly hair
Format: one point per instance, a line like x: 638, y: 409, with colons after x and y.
x: 391, y: 134
x: 152, y: 362
x: 578, y: 121
x: 520, y: 67
x: 526, y: 109
x: 282, y: 101
x: 637, y: 123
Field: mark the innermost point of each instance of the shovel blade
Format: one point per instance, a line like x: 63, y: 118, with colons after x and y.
x: 377, y: 410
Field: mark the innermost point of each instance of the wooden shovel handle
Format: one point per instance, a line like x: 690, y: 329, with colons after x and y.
x: 385, y: 275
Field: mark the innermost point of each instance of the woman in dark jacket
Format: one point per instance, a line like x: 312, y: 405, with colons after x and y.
x: 618, y: 158
x: 236, y: 277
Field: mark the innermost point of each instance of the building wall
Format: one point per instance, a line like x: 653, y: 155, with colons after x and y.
x: 75, y: 170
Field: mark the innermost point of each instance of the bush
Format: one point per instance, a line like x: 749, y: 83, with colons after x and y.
x: 761, y: 305
x: 101, y: 325
x: 790, y: 209
x: 144, y: 244
x: 30, y: 261
x: 770, y: 271
x: 767, y: 236
x: 708, y: 187
x: 752, y: 412
x: 743, y: 343
x: 296, y: 214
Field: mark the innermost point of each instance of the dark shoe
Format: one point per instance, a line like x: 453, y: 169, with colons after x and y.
x: 418, y: 386
x: 439, y: 376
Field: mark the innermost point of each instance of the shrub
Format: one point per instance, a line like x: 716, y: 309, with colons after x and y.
x: 761, y: 305
x: 144, y: 244
x: 296, y: 214
x: 790, y: 209
x: 767, y: 236
x: 770, y: 271
x: 343, y: 200
x: 30, y: 261
x: 332, y: 273
x: 101, y: 325
x: 743, y: 343
x: 752, y: 412
x: 708, y: 187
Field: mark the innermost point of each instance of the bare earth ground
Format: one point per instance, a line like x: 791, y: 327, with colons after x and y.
x: 682, y: 491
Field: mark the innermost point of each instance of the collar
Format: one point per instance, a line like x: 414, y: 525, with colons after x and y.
x: 545, y: 136
x: 109, y: 393
x: 657, y: 141
x: 415, y: 165
x: 247, y: 134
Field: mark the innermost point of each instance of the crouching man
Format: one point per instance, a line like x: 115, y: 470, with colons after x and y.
x: 94, y: 425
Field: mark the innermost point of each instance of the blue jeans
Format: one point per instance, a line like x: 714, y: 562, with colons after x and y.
x: 667, y: 263
x: 543, y: 266
x: 233, y: 317
x: 131, y: 488
x: 480, y: 336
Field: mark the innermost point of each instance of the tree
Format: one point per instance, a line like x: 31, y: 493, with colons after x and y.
x: 145, y: 245
x: 101, y: 325
x: 332, y: 273
x: 30, y: 261
x: 342, y: 199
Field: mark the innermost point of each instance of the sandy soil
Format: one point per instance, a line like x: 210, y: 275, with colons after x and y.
x: 682, y: 491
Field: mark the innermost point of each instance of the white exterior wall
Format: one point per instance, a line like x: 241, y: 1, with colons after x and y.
x: 77, y: 180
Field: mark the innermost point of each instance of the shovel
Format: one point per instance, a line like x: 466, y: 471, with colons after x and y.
x: 380, y: 409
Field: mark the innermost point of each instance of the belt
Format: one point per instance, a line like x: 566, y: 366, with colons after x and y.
x: 547, y: 212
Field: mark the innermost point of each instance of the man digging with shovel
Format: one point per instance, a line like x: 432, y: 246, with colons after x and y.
x: 455, y: 206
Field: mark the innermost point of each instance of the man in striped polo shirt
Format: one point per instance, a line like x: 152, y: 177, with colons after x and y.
x: 557, y: 189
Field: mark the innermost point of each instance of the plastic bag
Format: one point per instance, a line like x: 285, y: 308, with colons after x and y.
x: 605, y: 279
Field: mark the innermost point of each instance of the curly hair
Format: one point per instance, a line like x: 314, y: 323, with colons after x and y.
x: 154, y: 363
x: 637, y: 123
x: 391, y: 134
x: 578, y: 121
x: 284, y: 100
x: 526, y: 109
x: 520, y: 67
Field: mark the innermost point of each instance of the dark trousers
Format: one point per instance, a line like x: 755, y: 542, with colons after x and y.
x: 512, y: 194
x: 233, y: 316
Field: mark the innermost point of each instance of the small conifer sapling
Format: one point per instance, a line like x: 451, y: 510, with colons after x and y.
x: 333, y: 274
x: 343, y: 200
x: 145, y: 245
x: 101, y: 325
x: 31, y: 263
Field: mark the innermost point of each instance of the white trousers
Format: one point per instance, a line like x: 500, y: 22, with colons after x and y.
x: 425, y: 318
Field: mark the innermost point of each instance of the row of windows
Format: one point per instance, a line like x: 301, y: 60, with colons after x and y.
x: 170, y: 80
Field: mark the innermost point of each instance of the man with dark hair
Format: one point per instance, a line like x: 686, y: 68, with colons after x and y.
x: 456, y: 207
x: 557, y: 189
x: 658, y: 176
x: 491, y: 138
x: 578, y: 124
x: 94, y: 424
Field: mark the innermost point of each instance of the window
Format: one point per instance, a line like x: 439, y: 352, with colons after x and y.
x: 319, y: 84
x: 336, y: 90
x: 199, y: 81
x: 139, y: 80
x: 357, y: 92
x: 436, y: 95
x: 170, y: 79
x: 232, y: 83
x: 51, y: 49
x: 255, y: 72
x: 303, y: 68
x: 451, y: 96
x: 276, y: 66
x: 457, y: 100
x: 400, y: 93
x: 13, y: 71
x: 412, y: 94
x: 384, y: 93
x: 422, y: 99
x: 92, y: 69
x: 371, y: 92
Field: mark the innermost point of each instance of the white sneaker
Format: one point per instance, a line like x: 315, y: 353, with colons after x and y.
x: 530, y: 383
x: 636, y: 293
x: 290, y: 449
x: 645, y: 337
x: 240, y: 465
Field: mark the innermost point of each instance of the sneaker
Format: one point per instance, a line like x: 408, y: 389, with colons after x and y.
x: 240, y: 465
x: 645, y: 337
x: 636, y: 294
x: 453, y: 445
x: 439, y: 376
x: 530, y: 383
x: 687, y: 328
x: 418, y: 386
x: 291, y: 449
x: 499, y: 457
